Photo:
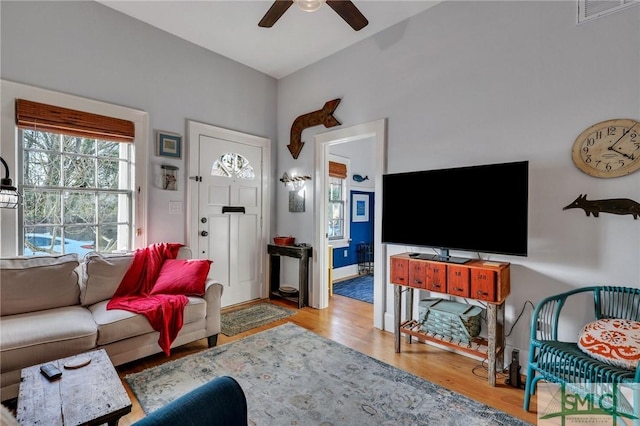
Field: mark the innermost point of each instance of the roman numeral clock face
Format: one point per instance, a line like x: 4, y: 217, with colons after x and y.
x: 608, y: 149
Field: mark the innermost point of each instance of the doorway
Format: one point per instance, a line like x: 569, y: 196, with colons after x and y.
x: 320, y: 294
x: 351, y: 202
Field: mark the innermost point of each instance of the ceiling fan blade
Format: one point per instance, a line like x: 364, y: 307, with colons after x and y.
x: 277, y: 9
x: 349, y: 12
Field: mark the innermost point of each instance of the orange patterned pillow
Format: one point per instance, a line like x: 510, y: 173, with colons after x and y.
x: 614, y: 341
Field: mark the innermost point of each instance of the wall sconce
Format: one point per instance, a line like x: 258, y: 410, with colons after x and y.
x: 294, y: 182
x: 9, y: 195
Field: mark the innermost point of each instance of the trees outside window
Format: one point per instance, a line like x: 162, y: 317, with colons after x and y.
x: 78, y: 193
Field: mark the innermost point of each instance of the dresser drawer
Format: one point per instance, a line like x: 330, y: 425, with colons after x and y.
x: 436, y: 276
x: 399, y: 271
x: 458, y: 280
x: 483, y: 284
x: 417, y: 274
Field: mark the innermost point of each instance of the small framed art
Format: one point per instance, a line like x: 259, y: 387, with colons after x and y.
x: 168, y: 144
x: 169, y: 177
x: 360, y: 211
x: 296, y: 201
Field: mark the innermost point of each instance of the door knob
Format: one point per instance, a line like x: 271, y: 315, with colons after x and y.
x: 203, y: 220
x: 204, y: 233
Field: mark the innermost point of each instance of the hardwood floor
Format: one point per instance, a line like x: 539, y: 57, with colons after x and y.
x: 348, y: 321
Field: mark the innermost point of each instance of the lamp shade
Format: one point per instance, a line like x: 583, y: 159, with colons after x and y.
x: 9, y: 196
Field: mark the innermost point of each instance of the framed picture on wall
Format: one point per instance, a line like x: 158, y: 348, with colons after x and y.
x: 169, y: 177
x: 360, y: 209
x: 296, y: 201
x: 168, y: 144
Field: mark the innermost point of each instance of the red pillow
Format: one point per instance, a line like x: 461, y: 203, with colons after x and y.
x: 182, y: 276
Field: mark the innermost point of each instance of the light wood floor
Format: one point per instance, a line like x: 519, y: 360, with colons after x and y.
x: 349, y: 322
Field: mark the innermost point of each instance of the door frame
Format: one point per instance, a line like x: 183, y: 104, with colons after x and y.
x: 194, y: 129
x: 320, y: 290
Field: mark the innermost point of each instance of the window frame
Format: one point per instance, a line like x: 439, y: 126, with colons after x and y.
x: 346, y: 190
x: 124, y: 218
x: 10, y: 231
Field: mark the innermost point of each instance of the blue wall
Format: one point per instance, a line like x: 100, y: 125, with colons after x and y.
x: 361, y: 232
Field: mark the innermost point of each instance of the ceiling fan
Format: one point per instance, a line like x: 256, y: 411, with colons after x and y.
x: 346, y: 9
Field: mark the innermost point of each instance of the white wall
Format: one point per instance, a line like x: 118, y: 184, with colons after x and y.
x: 89, y: 50
x: 361, y: 154
x: 468, y: 83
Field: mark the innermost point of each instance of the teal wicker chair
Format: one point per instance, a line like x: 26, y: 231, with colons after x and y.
x: 563, y: 362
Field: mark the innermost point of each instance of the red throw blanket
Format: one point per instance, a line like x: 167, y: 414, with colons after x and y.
x: 163, y: 311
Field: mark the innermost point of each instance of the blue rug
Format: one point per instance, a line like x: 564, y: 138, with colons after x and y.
x: 360, y: 288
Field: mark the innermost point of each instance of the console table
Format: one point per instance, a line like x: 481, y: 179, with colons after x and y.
x: 302, y: 253
x: 479, y: 280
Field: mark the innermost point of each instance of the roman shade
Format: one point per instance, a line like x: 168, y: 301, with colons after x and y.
x: 50, y: 118
x: 337, y: 170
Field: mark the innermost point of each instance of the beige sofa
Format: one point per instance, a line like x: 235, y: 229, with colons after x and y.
x: 55, y: 306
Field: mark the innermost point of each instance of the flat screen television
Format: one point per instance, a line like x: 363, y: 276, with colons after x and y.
x: 481, y: 208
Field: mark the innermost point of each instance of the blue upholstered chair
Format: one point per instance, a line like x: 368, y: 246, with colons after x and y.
x: 218, y: 402
x: 560, y: 362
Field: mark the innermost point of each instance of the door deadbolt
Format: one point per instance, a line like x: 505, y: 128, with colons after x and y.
x: 204, y: 233
x: 203, y: 220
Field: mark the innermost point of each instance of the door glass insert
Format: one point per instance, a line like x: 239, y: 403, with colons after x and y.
x: 232, y: 164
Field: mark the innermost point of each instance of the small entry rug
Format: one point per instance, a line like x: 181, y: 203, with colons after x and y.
x: 292, y: 376
x: 360, y: 288
x: 253, y: 316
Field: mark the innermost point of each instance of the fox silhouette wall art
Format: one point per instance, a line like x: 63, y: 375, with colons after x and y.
x: 613, y: 206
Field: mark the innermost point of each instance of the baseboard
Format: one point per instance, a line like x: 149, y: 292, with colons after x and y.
x: 344, y: 272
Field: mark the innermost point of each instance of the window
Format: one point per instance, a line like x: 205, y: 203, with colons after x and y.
x: 336, y: 208
x: 83, y: 122
x: 232, y: 164
x: 77, y: 173
x: 338, y: 226
x: 77, y: 194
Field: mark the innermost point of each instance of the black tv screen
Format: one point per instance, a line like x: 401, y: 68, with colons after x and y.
x: 480, y: 208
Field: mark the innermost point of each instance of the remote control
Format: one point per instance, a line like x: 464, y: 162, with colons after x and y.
x: 50, y: 371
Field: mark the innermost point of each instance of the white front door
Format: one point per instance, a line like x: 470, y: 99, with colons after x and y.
x: 227, y: 203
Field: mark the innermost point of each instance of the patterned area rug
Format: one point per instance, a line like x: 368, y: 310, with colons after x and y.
x: 360, y: 288
x: 253, y: 316
x: 293, y: 376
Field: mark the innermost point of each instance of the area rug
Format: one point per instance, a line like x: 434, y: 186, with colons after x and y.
x: 253, y: 316
x: 360, y: 288
x: 292, y: 376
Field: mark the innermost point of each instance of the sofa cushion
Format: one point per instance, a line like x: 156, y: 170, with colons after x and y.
x: 36, y: 337
x: 118, y: 324
x: 101, y: 276
x: 614, y: 341
x: 53, y: 279
x: 182, y: 276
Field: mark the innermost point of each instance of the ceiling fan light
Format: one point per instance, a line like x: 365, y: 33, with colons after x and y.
x: 309, y: 5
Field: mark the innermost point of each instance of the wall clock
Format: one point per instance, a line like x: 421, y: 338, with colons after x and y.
x: 608, y: 149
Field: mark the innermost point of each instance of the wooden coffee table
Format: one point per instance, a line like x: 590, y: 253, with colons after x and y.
x: 89, y: 395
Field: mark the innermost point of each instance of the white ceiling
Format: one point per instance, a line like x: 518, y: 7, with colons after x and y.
x: 298, y: 39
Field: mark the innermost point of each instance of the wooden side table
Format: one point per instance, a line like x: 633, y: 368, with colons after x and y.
x: 302, y: 253
x: 90, y: 395
x: 487, y: 282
